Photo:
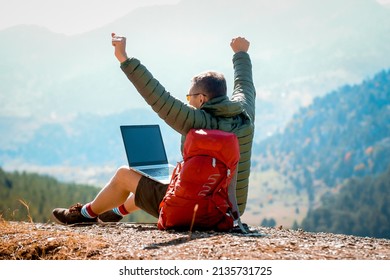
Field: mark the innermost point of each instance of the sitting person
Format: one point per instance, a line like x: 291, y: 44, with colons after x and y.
x: 209, y: 108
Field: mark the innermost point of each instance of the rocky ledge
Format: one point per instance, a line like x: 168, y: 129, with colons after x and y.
x: 120, y: 241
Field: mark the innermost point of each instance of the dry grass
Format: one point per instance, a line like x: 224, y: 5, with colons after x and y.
x: 28, y: 241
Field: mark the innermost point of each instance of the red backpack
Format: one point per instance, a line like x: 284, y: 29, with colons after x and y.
x: 197, y: 196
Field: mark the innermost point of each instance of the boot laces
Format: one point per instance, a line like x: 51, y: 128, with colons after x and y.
x: 75, y: 208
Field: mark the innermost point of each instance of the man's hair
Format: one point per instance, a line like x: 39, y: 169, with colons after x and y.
x: 211, y: 83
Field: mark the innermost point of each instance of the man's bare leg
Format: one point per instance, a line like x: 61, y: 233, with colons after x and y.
x: 119, y: 190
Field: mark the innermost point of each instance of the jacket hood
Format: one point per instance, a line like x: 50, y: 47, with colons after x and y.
x: 223, y: 107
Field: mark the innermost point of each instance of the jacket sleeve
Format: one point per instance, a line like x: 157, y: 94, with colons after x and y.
x: 244, y: 89
x: 177, y: 114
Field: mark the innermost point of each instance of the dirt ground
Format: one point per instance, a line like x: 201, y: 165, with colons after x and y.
x: 127, y: 241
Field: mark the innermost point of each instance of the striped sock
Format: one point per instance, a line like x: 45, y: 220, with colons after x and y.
x: 121, y: 210
x: 87, y: 212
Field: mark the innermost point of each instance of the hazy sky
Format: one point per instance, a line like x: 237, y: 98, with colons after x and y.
x: 74, y: 16
x: 69, y: 16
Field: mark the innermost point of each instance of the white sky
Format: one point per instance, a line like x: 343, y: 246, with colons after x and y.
x: 69, y: 16
x: 74, y: 16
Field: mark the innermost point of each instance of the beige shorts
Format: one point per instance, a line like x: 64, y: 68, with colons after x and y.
x: 149, y: 195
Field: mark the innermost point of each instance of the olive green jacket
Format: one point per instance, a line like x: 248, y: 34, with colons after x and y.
x: 235, y: 115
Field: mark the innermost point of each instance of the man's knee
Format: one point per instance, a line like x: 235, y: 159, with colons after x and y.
x: 122, y: 171
x: 126, y: 177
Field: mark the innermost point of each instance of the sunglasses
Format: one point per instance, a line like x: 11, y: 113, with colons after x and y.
x: 195, y: 94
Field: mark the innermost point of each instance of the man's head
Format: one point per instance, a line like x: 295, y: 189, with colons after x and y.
x: 206, y: 86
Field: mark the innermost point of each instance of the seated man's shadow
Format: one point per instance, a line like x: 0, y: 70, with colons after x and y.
x: 188, y: 236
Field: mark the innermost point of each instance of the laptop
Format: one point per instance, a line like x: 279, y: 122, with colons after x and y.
x: 145, y: 151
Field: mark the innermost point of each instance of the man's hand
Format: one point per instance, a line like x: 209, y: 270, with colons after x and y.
x: 239, y: 44
x: 119, y: 44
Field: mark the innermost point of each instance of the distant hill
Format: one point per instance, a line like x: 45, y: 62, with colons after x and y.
x: 85, y: 149
x: 343, y: 135
x: 300, y: 49
x: 82, y: 140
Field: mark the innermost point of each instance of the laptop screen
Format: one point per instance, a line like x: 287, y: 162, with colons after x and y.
x: 143, y: 144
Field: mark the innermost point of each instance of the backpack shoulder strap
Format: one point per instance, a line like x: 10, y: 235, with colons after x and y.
x: 233, y: 200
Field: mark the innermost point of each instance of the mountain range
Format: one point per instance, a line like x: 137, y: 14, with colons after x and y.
x: 63, y: 97
x: 341, y: 141
x: 300, y: 49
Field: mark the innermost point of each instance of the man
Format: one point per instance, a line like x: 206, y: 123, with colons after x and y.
x: 209, y: 108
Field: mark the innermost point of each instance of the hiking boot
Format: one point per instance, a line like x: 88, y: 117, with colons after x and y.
x: 71, y: 216
x: 110, y: 216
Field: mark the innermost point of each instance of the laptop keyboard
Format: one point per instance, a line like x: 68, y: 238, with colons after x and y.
x: 157, y: 172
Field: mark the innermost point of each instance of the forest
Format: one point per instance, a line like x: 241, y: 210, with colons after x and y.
x: 341, y: 135
x: 32, y: 197
x: 361, y: 208
x: 334, y: 149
